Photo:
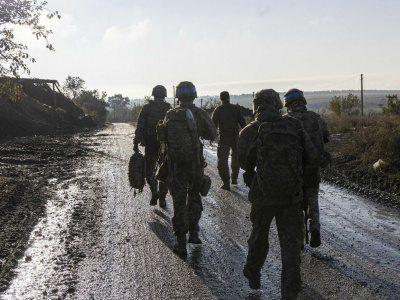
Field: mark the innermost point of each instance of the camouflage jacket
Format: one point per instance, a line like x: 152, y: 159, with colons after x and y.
x: 205, y: 126
x: 226, y: 118
x: 247, y: 151
x: 319, y: 133
x: 149, y: 116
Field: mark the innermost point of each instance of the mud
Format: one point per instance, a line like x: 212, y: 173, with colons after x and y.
x: 347, y: 172
x: 71, y: 228
x: 29, y: 169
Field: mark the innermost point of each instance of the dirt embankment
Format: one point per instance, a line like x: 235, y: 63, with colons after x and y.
x: 348, y: 173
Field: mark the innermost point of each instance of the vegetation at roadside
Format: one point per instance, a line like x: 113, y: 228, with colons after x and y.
x: 363, y: 140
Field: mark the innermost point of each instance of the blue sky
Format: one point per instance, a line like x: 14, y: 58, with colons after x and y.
x: 128, y: 47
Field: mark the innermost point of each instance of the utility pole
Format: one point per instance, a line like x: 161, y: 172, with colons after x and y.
x: 362, y: 96
x: 201, y: 103
x: 174, y: 95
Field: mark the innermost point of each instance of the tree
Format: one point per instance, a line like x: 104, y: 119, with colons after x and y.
x: 393, y: 105
x: 93, y: 104
x: 345, y: 105
x: 118, y: 104
x: 73, y: 86
x: 14, y: 56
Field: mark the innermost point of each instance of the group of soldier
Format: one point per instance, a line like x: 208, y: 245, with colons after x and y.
x: 286, y: 198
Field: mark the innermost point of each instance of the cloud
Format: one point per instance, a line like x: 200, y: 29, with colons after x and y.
x: 64, y: 27
x: 114, y: 35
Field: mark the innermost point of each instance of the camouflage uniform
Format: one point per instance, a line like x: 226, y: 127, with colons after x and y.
x: 226, y: 118
x: 319, y: 133
x: 285, y: 210
x: 146, y: 135
x: 185, y: 178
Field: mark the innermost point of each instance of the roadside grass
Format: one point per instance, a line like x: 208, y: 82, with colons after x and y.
x: 362, y: 141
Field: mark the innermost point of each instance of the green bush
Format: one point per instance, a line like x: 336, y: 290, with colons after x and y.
x: 345, y: 105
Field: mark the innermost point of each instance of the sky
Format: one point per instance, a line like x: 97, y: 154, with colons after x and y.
x: 129, y: 46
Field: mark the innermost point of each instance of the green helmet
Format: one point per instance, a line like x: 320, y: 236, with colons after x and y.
x: 267, y: 97
x: 159, y: 91
x: 186, y: 89
x: 294, y: 96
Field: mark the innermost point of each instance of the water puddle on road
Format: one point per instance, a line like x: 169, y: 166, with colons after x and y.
x: 44, y: 259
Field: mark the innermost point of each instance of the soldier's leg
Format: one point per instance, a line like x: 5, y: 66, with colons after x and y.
x: 162, y: 192
x: 261, y: 217
x: 234, y: 164
x: 288, y: 222
x: 223, y: 168
x: 194, y: 204
x: 313, y: 213
x: 178, y: 191
x: 151, y: 161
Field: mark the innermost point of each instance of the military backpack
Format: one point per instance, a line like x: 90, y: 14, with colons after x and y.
x: 137, y: 171
x: 182, y: 138
x: 279, y: 160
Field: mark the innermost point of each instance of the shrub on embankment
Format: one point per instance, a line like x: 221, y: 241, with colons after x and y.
x: 363, y: 140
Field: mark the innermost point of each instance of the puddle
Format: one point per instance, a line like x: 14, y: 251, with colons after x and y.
x: 42, y: 261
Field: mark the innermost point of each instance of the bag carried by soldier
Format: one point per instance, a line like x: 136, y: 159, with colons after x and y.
x: 279, y: 160
x: 182, y: 139
x: 137, y: 171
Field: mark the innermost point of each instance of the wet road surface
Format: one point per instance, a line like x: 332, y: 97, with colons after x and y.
x: 100, y: 241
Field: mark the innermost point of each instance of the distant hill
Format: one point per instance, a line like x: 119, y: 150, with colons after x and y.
x: 317, y: 100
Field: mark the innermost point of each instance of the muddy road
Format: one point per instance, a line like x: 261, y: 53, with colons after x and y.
x: 98, y: 240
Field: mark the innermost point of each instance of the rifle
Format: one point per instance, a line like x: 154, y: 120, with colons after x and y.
x: 305, y: 209
x: 153, y: 174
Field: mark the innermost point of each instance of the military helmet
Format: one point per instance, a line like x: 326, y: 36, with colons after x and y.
x: 186, y: 89
x: 159, y: 91
x: 267, y: 97
x: 294, y: 95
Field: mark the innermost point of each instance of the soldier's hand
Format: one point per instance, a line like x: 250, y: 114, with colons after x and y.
x: 136, y: 148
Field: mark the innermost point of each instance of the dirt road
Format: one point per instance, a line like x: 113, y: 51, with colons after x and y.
x: 99, y: 241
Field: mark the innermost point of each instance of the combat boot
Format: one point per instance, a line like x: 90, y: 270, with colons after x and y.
x: 161, y: 202
x: 254, y: 279
x: 154, y: 198
x: 234, y: 181
x: 180, y: 245
x: 315, y: 240
x: 226, y: 186
x: 194, y: 237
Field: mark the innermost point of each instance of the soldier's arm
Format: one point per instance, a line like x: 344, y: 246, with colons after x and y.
x: 141, y: 125
x: 208, y: 130
x: 215, y: 117
x: 311, y: 156
x: 326, y: 132
x: 241, y: 120
x: 247, y: 147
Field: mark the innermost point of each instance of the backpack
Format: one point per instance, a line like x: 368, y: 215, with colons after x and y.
x: 157, y: 112
x: 137, y: 171
x: 279, y: 160
x: 183, y: 143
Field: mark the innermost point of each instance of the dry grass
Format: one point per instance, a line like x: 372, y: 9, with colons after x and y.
x: 369, y: 139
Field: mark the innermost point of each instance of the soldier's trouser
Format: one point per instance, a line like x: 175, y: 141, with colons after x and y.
x: 313, y: 207
x: 184, y: 186
x: 288, y: 222
x: 223, y: 155
x: 151, y: 161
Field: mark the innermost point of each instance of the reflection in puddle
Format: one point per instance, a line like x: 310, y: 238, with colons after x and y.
x: 42, y: 262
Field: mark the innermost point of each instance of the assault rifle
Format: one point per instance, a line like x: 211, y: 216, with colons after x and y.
x: 305, y: 209
x: 160, y: 152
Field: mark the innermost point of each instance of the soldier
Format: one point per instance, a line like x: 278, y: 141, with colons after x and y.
x: 184, y: 126
x: 226, y: 118
x: 319, y: 133
x: 274, y: 144
x: 146, y: 135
